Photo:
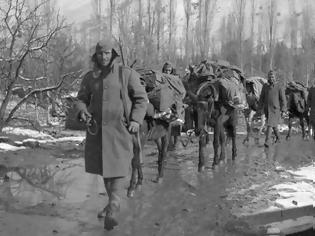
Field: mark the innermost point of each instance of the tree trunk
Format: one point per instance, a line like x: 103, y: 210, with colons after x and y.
x: 158, y: 30
x: 253, y: 9
x: 112, y: 10
x: 187, y: 14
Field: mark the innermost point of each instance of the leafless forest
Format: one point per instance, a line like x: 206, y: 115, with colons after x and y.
x: 43, y: 51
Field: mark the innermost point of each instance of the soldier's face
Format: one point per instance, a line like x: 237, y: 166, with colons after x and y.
x: 168, y: 70
x: 104, y: 57
x: 271, y: 79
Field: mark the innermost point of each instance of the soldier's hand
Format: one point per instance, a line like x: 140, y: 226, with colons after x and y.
x: 133, y: 127
x: 85, y: 117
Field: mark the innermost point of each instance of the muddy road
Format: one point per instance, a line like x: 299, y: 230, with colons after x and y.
x: 45, y: 191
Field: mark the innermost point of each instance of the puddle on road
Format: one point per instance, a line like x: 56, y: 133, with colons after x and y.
x: 63, y: 181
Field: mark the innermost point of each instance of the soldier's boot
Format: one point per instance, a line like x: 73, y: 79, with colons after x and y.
x: 107, y: 184
x: 110, y: 220
x: 113, y: 208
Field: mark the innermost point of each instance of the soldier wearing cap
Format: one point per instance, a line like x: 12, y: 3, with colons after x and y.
x: 109, y: 152
x: 273, y: 102
x: 168, y: 68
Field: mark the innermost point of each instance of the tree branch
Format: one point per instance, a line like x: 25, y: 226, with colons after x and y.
x: 30, y: 79
x: 36, y: 91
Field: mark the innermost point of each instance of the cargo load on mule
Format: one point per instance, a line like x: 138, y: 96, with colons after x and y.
x: 297, y: 96
x: 256, y: 84
x: 228, y: 79
x: 166, y: 93
x: 254, y: 87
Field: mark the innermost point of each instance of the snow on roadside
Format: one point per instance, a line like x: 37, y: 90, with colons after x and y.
x: 8, y: 147
x: 300, y: 192
x: 26, y: 132
x: 55, y: 140
x: 36, y: 137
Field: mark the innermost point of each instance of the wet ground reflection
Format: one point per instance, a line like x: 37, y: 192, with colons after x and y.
x: 29, y: 186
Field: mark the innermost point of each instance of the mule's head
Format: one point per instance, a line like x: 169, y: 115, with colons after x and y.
x: 204, y: 106
x: 200, y: 95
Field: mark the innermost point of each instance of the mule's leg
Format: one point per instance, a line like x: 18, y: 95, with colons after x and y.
x: 308, y: 133
x: 175, y: 140
x: 176, y: 132
x: 301, y: 118
x: 162, y: 157
x: 202, y: 151
x: 228, y: 121
x: 246, y: 139
x: 222, y: 143
x: 133, y: 182
x: 234, y: 147
x: 171, y: 146
x: 216, y: 142
x: 135, y: 164
x: 290, y: 127
x: 248, y: 120
x: 140, y: 178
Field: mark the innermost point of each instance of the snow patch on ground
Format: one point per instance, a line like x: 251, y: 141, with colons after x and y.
x: 55, y: 140
x: 35, y: 137
x: 26, y: 132
x: 300, y: 192
x: 8, y: 147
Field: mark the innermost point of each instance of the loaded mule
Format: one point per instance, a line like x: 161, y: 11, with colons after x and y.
x: 217, y: 93
x: 297, y: 106
x: 165, y: 111
x: 253, y: 86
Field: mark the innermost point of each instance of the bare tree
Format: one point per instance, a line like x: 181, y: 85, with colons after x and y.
x: 252, y: 33
x: 111, y: 15
x: 187, y: 6
x: 171, y: 27
x: 205, y: 16
x: 158, y: 11
x: 240, y: 17
x: 308, y: 51
x: 27, y: 37
x: 272, y: 26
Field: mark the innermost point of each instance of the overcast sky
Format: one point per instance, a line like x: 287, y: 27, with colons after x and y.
x: 81, y: 10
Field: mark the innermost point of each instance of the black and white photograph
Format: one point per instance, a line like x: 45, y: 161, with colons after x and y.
x: 157, y: 117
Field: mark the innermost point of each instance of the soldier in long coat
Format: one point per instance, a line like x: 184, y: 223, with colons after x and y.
x: 176, y: 129
x: 109, y: 152
x: 311, y: 106
x: 273, y: 102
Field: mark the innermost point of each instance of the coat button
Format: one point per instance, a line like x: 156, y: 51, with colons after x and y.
x: 105, y: 87
x: 104, y: 123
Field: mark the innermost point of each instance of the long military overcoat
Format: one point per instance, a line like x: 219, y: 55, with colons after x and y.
x: 311, y: 104
x: 109, y: 152
x: 273, y: 102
